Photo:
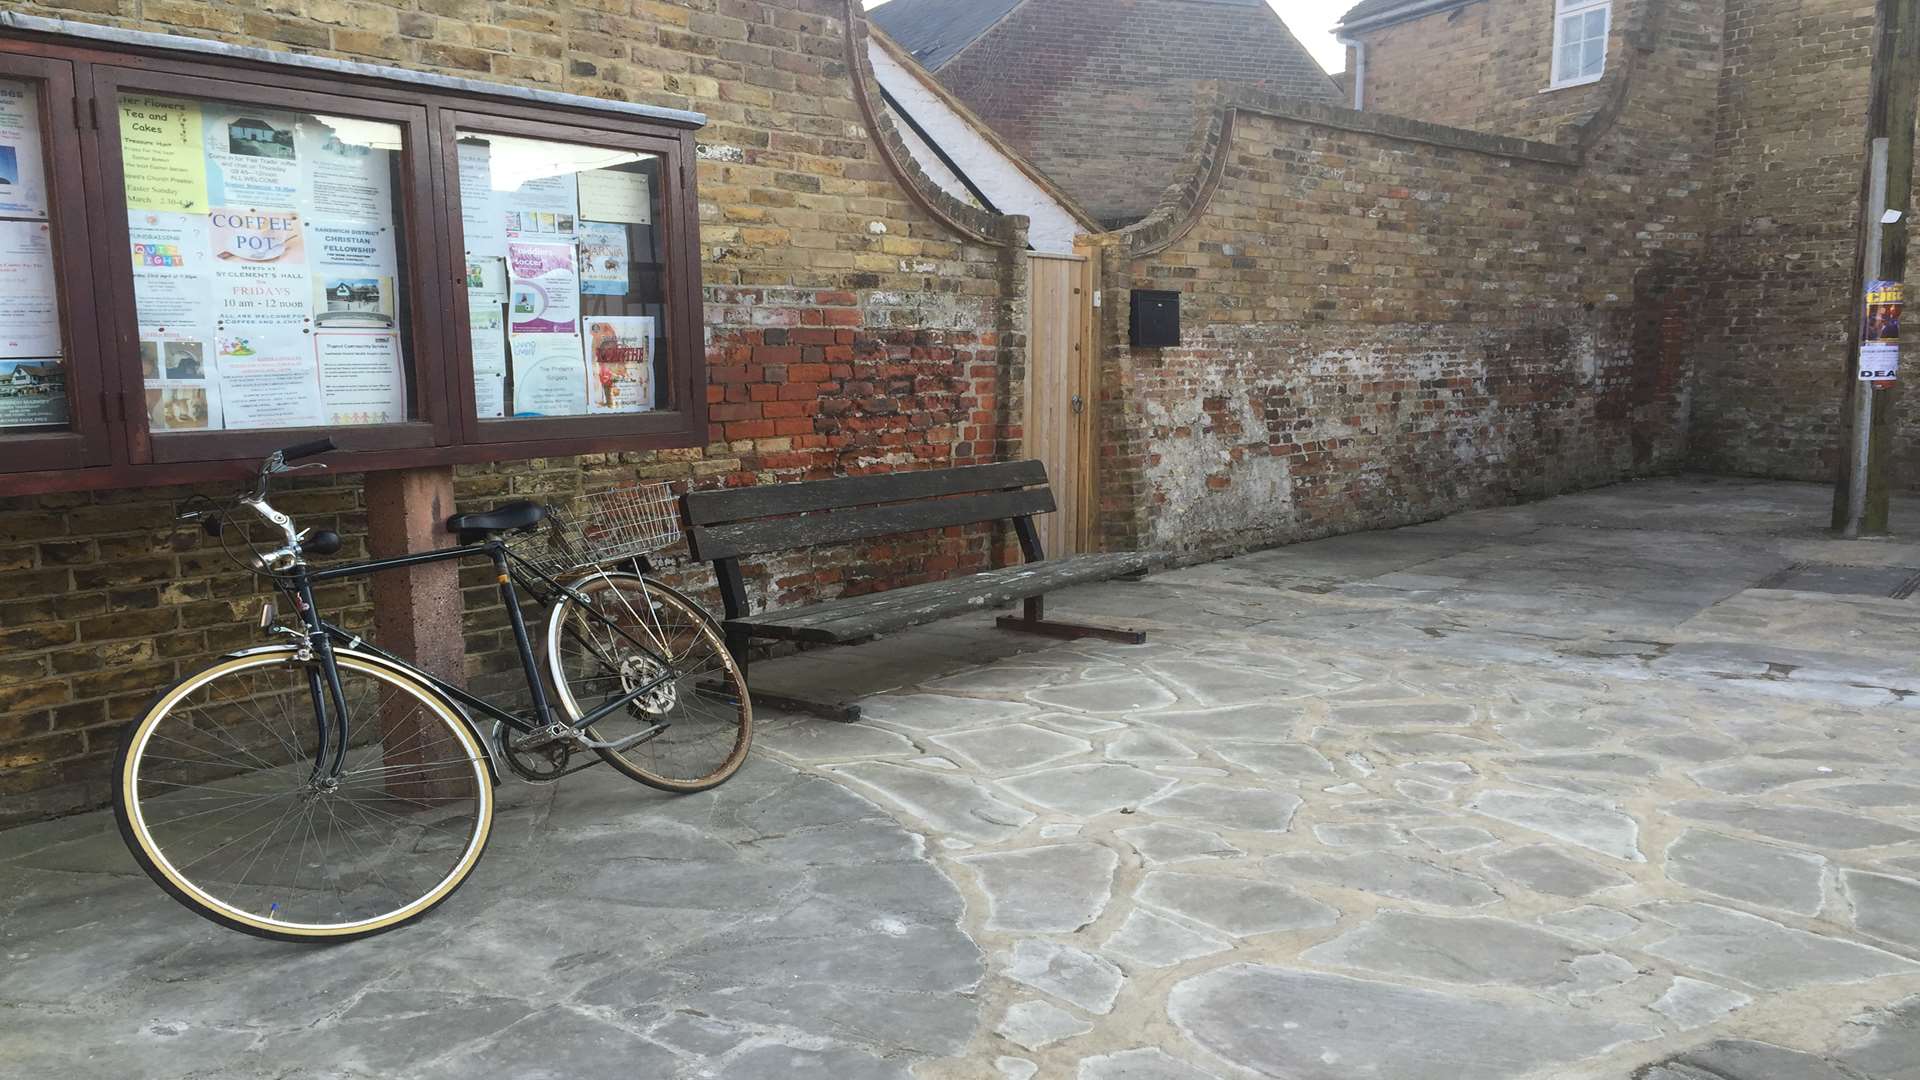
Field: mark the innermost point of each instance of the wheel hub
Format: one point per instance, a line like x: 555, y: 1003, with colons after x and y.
x: 637, y: 671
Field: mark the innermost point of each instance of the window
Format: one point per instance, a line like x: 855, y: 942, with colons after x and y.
x: 1579, y: 41
x: 202, y: 259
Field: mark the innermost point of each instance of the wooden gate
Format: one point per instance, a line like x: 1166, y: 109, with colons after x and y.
x: 1058, y: 425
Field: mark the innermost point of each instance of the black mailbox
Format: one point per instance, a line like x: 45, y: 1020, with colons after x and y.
x: 1154, y: 320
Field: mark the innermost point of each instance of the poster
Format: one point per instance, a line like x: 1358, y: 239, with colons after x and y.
x: 268, y: 379
x: 361, y: 381
x: 23, y: 181
x: 29, y: 300
x: 603, y: 259
x: 181, y: 408
x: 486, y: 280
x: 543, y: 207
x: 348, y: 169
x: 607, y: 195
x: 489, y: 336
x: 252, y: 161
x: 254, y: 237
x: 171, y: 264
x: 619, y: 355
x: 182, y: 390
x: 548, y: 377
x: 33, y: 393
x: 171, y: 301
x: 543, y: 290
x: 253, y: 298
x: 1880, y: 337
x: 361, y: 244
x: 481, y: 221
x: 162, y: 154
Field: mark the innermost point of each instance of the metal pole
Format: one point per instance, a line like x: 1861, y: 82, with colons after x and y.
x: 1863, y: 393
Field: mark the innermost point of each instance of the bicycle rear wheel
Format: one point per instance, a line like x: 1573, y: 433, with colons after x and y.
x: 695, y: 726
x: 219, y: 799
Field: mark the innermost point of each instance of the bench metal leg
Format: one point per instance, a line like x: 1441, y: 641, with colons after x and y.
x: 1032, y: 620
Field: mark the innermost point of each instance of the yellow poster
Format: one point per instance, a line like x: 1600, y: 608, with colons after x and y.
x: 163, y: 154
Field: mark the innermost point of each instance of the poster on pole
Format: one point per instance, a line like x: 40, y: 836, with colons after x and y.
x: 1880, y: 336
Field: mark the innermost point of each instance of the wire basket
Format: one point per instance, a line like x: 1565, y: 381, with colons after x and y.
x: 603, y: 527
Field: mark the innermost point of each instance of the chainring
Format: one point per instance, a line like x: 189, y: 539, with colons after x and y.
x: 541, y: 765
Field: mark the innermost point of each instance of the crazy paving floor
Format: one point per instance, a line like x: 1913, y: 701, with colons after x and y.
x: 1622, y: 784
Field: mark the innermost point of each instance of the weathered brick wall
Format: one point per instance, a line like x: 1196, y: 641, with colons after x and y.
x: 1384, y: 321
x: 1100, y: 93
x: 847, y: 330
x: 1788, y: 157
x: 1485, y: 66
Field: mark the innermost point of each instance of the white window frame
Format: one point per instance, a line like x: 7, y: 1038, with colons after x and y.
x: 1562, y: 10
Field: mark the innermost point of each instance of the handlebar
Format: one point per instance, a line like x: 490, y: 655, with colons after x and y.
x: 307, y: 449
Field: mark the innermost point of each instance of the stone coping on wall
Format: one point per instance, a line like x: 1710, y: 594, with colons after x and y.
x: 145, y: 39
x: 1207, y: 154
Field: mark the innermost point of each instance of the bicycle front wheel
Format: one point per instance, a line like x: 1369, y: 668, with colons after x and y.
x: 227, y: 801
x: 618, y: 633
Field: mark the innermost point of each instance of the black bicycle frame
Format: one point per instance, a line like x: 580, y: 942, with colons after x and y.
x: 324, y: 678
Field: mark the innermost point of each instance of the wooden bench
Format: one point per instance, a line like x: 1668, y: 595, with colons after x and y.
x: 725, y: 524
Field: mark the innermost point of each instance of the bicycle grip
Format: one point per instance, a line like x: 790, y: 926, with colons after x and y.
x: 307, y: 449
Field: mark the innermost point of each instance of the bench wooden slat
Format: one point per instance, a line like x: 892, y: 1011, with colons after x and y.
x: 783, y: 534
x: 770, y: 500
x: 858, y: 617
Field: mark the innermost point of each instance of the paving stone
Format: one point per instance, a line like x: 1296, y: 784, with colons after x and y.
x: 949, y: 804
x: 1694, y: 748
x: 1870, y: 795
x: 1059, y: 830
x: 1593, y: 974
x: 1088, y: 790
x: 1757, y: 873
x: 1396, y: 715
x: 1035, y: 1024
x: 1798, y: 824
x: 935, y: 762
x: 1275, y: 759
x: 1013, y: 1068
x: 1012, y: 748
x: 1312, y: 1026
x: 1249, y: 809
x: 1421, y: 791
x: 1442, y: 772
x: 1758, y: 777
x: 1345, y: 789
x: 1151, y: 940
x: 1142, y: 744
x: 821, y: 740
x: 1072, y: 975
x: 1448, y: 839
x: 930, y: 713
x: 1691, y: 1003
x: 685, y: 883
x: 1741, y: 1059
x: 1106, y: 698
x: 1424, y: 742
x: 1388, y: 875
x: 794, y: 1063
x: 1471, y: 951
x: 1078, y: 723
x: 1235, y: 906
x: 1146, y: 1063
x: 1264, y: 722
x: 1215, y: 685
x: 1058, y: 888
x: 1891, y: 1049
x: 1610, y: 763
x: 1555, y: 733
x: 1588, y: 823
x: 1761, y: 952
x: 1368, y: 834
x: 1392, y: 810
x: 1546, y: 869
x: 1161, y: 843
x: 1886, y: 907
x: 1592, y: 923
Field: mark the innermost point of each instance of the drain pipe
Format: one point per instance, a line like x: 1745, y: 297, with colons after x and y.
x: 1359, y: 69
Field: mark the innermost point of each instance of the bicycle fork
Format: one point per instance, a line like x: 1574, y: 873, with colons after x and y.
x: 323, y: 688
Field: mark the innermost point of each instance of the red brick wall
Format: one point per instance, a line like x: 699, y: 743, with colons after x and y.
x: 1100, y: 93
x: 847, y: 331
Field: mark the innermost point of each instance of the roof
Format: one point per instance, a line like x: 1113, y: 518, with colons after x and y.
x: 933, y: 30
x: 1371, y: 13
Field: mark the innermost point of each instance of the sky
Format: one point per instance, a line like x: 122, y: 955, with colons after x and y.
x: 1310, y: 20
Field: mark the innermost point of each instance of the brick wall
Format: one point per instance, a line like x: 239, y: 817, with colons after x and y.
x: 1384, y: 321
x: 1485, y: 66
x: 848, y: 330
x: 1100, y: 93
x: 1788, y: 157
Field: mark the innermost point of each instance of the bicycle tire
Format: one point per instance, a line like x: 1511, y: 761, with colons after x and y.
x: 395, y: 802
x: 718, y: 737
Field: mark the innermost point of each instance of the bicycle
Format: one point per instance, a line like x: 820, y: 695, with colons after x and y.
x: 324, y: 789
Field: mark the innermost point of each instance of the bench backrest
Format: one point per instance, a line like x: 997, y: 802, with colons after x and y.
x: 730, y: 522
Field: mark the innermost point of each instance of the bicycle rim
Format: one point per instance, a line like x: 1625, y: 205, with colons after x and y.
x: 217, y: 797
x: 695, y: 725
